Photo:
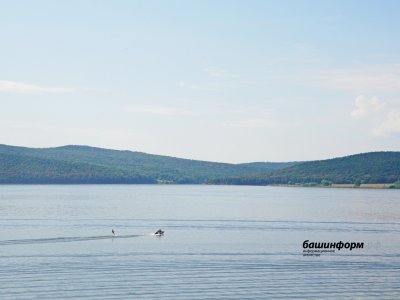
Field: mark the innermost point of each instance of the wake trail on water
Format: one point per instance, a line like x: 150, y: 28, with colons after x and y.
x: 68, y: 239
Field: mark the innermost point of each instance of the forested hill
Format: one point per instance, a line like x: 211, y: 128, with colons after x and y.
x: 373, y: 167
x: 83, y: 164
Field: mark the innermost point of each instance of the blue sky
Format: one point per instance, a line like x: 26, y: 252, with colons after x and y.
x: 232, y: 81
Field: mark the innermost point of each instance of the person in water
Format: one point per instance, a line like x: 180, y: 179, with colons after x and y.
x: 113, y: 232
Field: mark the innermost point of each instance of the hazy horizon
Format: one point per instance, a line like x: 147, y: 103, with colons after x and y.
x: 222, y: 81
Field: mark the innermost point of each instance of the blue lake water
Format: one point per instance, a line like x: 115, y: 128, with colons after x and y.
x: 225, y: 242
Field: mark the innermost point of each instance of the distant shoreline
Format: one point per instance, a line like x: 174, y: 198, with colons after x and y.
x: 299, y: 185
x: 345, y: 186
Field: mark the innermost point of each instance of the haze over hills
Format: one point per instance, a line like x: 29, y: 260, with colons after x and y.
x: 84, y: 164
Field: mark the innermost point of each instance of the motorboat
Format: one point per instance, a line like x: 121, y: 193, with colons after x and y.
x: 159, y: 232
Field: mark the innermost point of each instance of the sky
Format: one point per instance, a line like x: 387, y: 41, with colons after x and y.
x: 227, y: 81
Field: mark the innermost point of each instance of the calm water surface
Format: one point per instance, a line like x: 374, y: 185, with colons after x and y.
x: 221, y: 242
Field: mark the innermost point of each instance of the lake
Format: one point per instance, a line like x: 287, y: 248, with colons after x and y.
x: 225, y: 242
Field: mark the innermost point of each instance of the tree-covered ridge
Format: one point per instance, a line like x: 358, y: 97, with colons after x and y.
x: 272, y: 166
x: 373, y: 167
x: 83, y: 164
x: 26, y: 169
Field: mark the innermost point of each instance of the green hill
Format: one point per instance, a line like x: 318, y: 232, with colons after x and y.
x: 373, y: 167
x: 271, y: 165
x: 83, y: 164
x: 26, y: 169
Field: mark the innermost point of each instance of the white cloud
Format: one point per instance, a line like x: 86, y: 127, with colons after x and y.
x: 213, y: 88
x: 366, y: 106
x: 160, y: 110
x: 384, y: 120
x: 24, y: 88
x: 252, y: 123
x: 390, y: 126
x: 219, y: 73
x: 252, y: 117
x: 361, y: 79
